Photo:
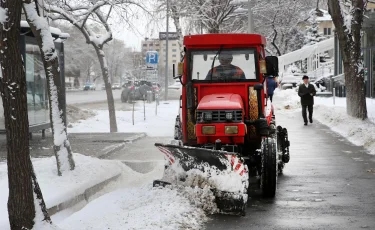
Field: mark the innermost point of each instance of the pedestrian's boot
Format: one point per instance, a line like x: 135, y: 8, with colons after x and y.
x: 311, y: 120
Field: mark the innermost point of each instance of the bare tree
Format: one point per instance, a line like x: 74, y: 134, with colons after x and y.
x: 26, y: 206
x: 41, y: 31
x: 78, y: 16
x: 347, y: 15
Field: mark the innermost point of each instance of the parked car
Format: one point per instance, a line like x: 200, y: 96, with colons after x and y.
x: 116, y: 86
x: 89, y: 87
x: 128, y: 91
x: 176, y: 86
x: 103, y: 87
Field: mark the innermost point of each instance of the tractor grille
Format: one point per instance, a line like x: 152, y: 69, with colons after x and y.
x: 219, y: 116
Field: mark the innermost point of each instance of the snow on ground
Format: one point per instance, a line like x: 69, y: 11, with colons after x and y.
x: 89, y: 171
x: 138, y: 208
x: 161, y: 124
x: 357, y: 131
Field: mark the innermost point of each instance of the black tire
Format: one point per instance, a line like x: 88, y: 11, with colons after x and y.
x: 268, y: 180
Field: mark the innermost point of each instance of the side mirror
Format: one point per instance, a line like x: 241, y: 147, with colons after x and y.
x: 272, y: 65
x: 258, y: 87
x: 205, y: 57
x: 247, y: 57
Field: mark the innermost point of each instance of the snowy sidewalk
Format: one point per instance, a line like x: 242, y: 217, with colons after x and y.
x: 359, y: 132
x: 161, y: 124
x: 68, y: 190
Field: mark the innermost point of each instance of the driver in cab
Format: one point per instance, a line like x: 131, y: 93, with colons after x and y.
x: 225, y: 70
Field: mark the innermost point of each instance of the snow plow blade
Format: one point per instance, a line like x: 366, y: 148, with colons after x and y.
x: 216, y: 168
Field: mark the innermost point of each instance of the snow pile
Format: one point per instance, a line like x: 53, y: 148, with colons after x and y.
x: 357, y: 131
x: 161, y: 124
x: 138, y: 208
x: 57, y: 189
x: 289, y: 99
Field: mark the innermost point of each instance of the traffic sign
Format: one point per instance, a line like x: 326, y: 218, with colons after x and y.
x: 152, y: 57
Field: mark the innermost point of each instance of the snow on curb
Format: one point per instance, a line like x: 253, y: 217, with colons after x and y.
x: 138, y: 208
x: 90, y: 175
x: 358, y: 132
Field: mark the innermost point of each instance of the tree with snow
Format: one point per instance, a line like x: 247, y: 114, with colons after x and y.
x: 40, y: 28
x: 26, y: 207
x: 313, y: 35
x: 347, y: 16
x: 78, y: 15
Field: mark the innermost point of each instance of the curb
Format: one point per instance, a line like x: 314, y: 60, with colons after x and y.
x: 85, y: 196
x: 109, y: 150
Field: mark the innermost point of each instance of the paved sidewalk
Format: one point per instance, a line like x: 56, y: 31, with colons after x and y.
x: 328, y: 184
x: 90, y: 144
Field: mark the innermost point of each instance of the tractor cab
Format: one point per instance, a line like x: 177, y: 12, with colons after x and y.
x: 224, y: 88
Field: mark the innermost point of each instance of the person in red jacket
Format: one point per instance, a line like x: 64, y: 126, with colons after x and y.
x: 225, y: 70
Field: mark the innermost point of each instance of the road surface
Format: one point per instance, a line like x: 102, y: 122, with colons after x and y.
x: 99, y: 96
x: 89, y: 96
x: 328, y: 184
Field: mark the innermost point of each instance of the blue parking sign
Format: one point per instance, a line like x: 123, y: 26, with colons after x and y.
x: 152, y: 57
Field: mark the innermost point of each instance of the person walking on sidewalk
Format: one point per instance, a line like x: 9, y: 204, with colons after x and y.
x: 307, y: 92
x: 271, y: 86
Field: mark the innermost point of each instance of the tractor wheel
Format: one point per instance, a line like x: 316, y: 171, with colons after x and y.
x: 268, y: 179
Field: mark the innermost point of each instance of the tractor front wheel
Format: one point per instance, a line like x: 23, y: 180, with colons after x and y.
x: 268, y: 179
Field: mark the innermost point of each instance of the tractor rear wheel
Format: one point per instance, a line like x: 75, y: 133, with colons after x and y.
x: 268, y: 179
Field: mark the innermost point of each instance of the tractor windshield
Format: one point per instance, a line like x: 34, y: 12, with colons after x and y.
x: 223, y: 65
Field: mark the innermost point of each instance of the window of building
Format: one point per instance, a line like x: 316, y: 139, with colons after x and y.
x: 174, y: 44
x: 157, y: 50
x: 174, y: 61
x: 174, y: 55
x: 151, y: 44
x: 157, y: 44
x: 144, y: 45
x: 174, y: 50
x: 327, y: 31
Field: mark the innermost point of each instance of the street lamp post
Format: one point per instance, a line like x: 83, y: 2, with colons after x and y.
x: 250, y: 23
x: 166, y: 56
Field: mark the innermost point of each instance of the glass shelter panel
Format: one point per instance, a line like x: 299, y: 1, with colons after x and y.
x: 37, y: 96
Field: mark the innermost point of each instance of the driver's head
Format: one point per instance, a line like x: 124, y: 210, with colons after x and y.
x: 225, y: 59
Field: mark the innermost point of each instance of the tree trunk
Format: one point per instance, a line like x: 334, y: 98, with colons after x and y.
x: 111, y: 103
x: 350, y: 47
x: 62, y: 148
x: 21, y: 177
x: 176, y: 21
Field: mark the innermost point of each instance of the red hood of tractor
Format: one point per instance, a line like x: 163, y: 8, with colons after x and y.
x: 228, y: 101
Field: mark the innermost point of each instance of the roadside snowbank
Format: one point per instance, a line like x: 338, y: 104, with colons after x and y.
x: 89, y: 172
x: 359, y: 132
x: 161, y: 124
x: 138, y: 208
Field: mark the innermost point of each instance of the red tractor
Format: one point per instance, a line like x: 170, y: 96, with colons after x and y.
x: 226, y: 126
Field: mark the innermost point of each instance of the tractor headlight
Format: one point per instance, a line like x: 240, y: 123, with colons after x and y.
x: 231, y: 129
x: 229, y: 116
x: 207, y: 116
x: 208, y: 130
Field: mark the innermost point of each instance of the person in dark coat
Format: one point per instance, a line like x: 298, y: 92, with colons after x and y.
x: 307, y: 92
x: 271, y: 86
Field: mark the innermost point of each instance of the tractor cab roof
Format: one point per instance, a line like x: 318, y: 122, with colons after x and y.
x: 209, y: 40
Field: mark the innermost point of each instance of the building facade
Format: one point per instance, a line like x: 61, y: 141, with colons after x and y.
x: 159, y: 45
